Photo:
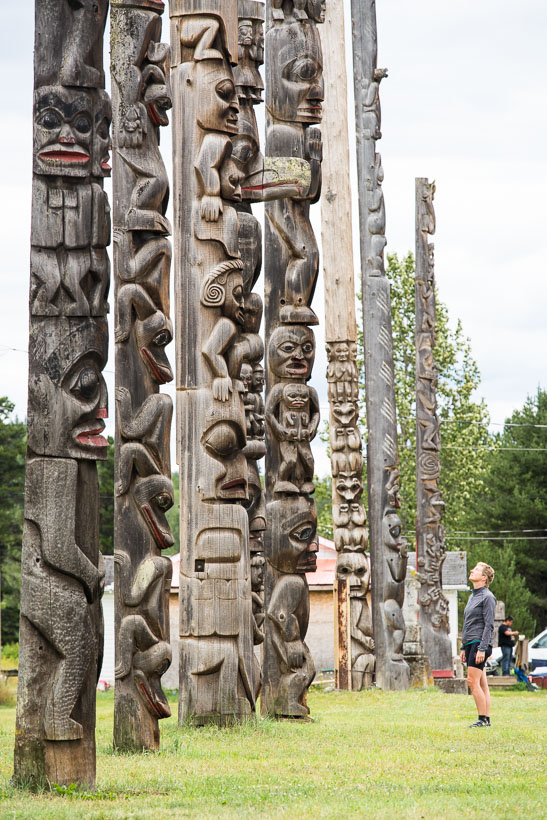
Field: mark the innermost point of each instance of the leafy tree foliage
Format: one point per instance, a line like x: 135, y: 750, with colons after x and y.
x: 515, y: 499
x: 12, y: 488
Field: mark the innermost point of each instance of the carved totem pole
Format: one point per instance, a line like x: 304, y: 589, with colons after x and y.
x: 142, y: 258
x: 349, y: 517
x: 430, y: 544
x: 388, y: 548
x: 62, y: 574
x: 294, y: 93
x: 217, y: 323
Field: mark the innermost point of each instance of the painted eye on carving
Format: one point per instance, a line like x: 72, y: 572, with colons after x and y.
x: 360, y: 571
x: 86, y: 385
x: 225, y: 90
x: 163, y: 501
x: 304, y: 533
x: 287, y: 347
x: 50, y: 120
x: 304, y: 69
x: 307, y: 347
x: 343, y: 570
x: 162, y: 338
x: 395, y: 530
x: 82, y: 124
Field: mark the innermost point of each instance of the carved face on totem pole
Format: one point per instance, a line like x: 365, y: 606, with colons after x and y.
x: 257, y: 572
x: 345, y: 413
x: 101, y: 136
x: 223, y: 440
x: 348, y: 486
x: 295, y: 89
x: 354, y: 568
x: 257, y: 384
x: 154, y: 496
x: 63, y: 132
x: 152, y: 335
x: 156, y: 93
x: 295, y: 519
x: 67, y: 392
x: 291, y: 352
x: 256, y: 509
x: 224, y: 289
x: 392, y: 530
x: 218, y: 105
x: 148, y: 668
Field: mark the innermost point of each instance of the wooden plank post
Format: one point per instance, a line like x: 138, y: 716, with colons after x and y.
x: 142, y: 259
x: 62, y: 572
x: 388, y: 548
x: 215, y: 336
x: 342, y: 634
x: 294, y: 92
x: 430, y: 543
x: 349, y: 516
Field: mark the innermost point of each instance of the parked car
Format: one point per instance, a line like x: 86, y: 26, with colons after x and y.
x: 537, y: 654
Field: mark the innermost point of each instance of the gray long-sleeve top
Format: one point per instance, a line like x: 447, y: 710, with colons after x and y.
x: 478, y: 618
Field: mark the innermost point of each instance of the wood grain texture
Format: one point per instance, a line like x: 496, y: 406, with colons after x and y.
x: 388, y: 548
x: 217, y: 323
x: 294, y: 93
x: 62, y: 573
x: 143, y: 488
x: 430, y: 543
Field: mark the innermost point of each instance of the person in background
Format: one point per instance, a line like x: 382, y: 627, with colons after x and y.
x: 506, y: 643
x: 477, y: 639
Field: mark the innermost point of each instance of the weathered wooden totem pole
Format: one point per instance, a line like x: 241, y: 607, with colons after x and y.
x: 388, y: 548
x: 430, y: 544
x: 142, y: 258
x: 294, y: 93
x: 217, y: 324
x: 61, y: 567
x: 355, y: 663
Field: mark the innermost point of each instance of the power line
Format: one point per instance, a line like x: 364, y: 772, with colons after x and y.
x: 495, y: 538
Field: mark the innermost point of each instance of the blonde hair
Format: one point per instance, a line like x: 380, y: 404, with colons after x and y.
x: 487, y: 571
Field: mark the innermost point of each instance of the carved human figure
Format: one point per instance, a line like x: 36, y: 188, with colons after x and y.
x: 342, y: 372
x: 292, y: 415
x: 294, y: 96
x: 376, y: 220
x: 291, y: 352
x: 55, y: 565
x: 396, y: 556
x: 293, y: 554
x: 354, y: 567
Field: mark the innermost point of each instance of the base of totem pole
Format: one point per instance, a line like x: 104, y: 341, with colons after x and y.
x: 420, y: 671
x: 292, y: 719
x: 224, y: 721
x: 452, y: 686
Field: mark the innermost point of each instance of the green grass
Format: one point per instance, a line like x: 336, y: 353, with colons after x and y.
x: 368, y: 754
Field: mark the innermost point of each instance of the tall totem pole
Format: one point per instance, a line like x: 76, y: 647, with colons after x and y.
x: 294, y: 93
x: 355, y: 661
x: 62, y: 574
x: 388, y: 548
x: 216, y: 335
x: 142, y: 258
x: 430, y: 544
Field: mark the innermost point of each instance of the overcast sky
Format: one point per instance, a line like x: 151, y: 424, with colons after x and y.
x: 464, y: 104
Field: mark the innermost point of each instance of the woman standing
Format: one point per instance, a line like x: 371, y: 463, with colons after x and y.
x: 477, y: 639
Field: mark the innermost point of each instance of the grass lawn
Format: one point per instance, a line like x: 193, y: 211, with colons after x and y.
x: 368, y: 754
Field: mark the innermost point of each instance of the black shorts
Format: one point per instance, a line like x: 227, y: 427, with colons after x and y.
x: 471, y: 652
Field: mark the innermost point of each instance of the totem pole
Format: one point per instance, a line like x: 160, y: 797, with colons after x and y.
x: 62, y: 573
x: 217, y: 323
x: 388, y: 548
x: 430, y: 544
x: 142, y: 258
x: 294, y: 92
x: 349, y: 517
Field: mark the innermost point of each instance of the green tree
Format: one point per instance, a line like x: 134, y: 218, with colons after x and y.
x: 105, y: 470
x: 12, y: 492
x: 515, y: 499
x: 323, y: 501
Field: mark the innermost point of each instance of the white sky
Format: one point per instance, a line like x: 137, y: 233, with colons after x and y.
x: 464, y: 104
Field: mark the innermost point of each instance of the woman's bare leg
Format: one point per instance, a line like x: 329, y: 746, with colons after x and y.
x: 486, y: 692
x: 474, y: 680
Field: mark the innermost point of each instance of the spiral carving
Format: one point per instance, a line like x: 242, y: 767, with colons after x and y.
x: 429, y: 466
x: 212, y: 292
